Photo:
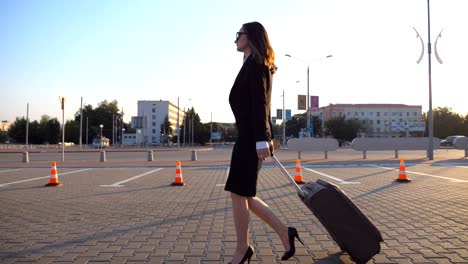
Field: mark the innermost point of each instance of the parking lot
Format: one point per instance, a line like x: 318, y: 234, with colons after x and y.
x: 132, y: 214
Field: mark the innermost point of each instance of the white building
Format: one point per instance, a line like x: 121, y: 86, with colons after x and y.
x: 5, y: 125
x: 379, y: 120
x: 151, y: 115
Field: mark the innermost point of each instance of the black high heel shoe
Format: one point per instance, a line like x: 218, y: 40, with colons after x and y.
x: 292, y: 234
x: 248, y: 255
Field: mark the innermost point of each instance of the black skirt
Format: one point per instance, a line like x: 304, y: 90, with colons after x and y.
x: 244, y: 169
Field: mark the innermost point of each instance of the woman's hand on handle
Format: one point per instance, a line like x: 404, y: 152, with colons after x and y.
x: 264, y: 150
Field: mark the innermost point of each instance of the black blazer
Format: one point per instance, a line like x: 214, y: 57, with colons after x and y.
x: 250, y: 101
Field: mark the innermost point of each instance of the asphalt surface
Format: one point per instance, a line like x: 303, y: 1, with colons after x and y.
x: 127, y: 212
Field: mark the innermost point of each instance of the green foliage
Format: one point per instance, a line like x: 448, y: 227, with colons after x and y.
x: 201, y: 131
x: 343, y: 129
x: 3, y: 136
x: 43, y: 132
x: 299, y: 121
x: 448, y: 123
x: 102, y: 114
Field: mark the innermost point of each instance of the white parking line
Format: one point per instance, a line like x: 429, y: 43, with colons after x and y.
x: 118, y: 184
x: 341, y: 181
x: 425, y: 174
x: 227, y: 174
x: 463, y: 167
x: 9, y: 170
x: 38, y: 178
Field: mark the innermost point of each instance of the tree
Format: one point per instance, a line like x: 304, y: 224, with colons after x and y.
x: 72, y: 131
x: 166, y: 130
x: 49, y: 130
x: 343, y: 129
x: 17, y: 131
x: 102, y: 114
x: 299, y: 122
x: 3, y: 136
x: 447, y: 122
x: 201, y: 131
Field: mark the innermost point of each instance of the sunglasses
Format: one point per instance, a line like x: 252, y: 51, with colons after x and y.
x: 238, y: 34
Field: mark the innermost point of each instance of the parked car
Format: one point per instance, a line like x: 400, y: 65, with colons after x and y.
x: 448, y: 142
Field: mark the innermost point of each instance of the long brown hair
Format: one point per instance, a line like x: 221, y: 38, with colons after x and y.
x: 259, y: 45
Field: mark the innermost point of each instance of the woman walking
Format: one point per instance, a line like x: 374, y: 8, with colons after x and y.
x: 250, y: 99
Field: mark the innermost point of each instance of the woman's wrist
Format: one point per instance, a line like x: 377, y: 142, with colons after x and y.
x: 262, y: 145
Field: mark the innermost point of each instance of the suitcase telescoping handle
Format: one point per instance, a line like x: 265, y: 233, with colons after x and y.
x: 286, y: 173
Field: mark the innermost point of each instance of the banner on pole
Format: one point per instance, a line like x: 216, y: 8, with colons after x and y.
x: 314, y: 103
x: 288, y: 114
x: 279, y: 114
x: 301, y: 102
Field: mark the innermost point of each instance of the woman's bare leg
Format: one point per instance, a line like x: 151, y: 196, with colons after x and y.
x: 263, y: 211
x: 240, y: 211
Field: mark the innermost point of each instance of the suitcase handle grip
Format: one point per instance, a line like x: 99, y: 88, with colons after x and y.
x: 286, y: 173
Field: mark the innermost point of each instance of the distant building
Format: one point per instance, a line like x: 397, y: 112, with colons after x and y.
x: 130, y: 139
x: 5, y: 125
x: 151, y: 115
x: 378, y: 120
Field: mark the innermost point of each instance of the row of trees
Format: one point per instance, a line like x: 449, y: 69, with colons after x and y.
x: 47, y: 129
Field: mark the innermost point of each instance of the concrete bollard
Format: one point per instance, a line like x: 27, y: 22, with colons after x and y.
x: 299, y: 155
x: 26, y: 157
x: 396, y: 153
x: 103, y: 156
x: 150, y: 155
x: 194, y: 155
x: 364, y: 154
x: 326, y: 154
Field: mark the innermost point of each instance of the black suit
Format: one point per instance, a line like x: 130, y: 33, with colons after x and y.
x: 250, y: 100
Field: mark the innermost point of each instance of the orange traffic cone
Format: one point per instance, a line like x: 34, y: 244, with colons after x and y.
x: 298, y: 176
x: 53, y: 180
x: 178, y: 181
x: 402, y: 174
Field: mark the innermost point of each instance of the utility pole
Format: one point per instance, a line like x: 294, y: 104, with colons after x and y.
x: 81, y: 123
x: 430, y: 153
x: 62, y: 103
x: 178, y: 126
x: 211, y: 128
x: 86, y: 131
x: 113, y: 121
x: 185, y: 128
x: 27, y: 125
x: 284, y: 123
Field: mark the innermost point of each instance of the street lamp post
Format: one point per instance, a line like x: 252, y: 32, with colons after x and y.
x: 284, y: 123
x: 101, y: 126
x: 122, y: 138
x: 62, y: 104
x: 308, y: 90
x: 430, y: 149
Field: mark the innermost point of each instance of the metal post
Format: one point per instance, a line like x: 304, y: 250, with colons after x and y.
x: 113, y: 121
x: 211, y: 128
x: 193, y: 124
x: 430, y: 153
x: 308, y: 104
x: 185, y: 126
x: 86, y: 131
x: 63, y: 128
x: 81, y: 123
x: 27, y: 125
x: 123, y: 128
x: 178, y: 126
x: 284, y: 123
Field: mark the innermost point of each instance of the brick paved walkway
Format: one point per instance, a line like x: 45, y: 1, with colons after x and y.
x: 149, y: 221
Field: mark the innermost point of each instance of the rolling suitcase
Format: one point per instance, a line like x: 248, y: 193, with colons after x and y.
x: 344, y: 221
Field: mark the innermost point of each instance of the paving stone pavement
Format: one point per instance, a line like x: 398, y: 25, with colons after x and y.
x: 146, y: 220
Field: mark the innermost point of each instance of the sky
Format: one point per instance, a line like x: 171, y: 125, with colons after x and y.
x: 164, y: 50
